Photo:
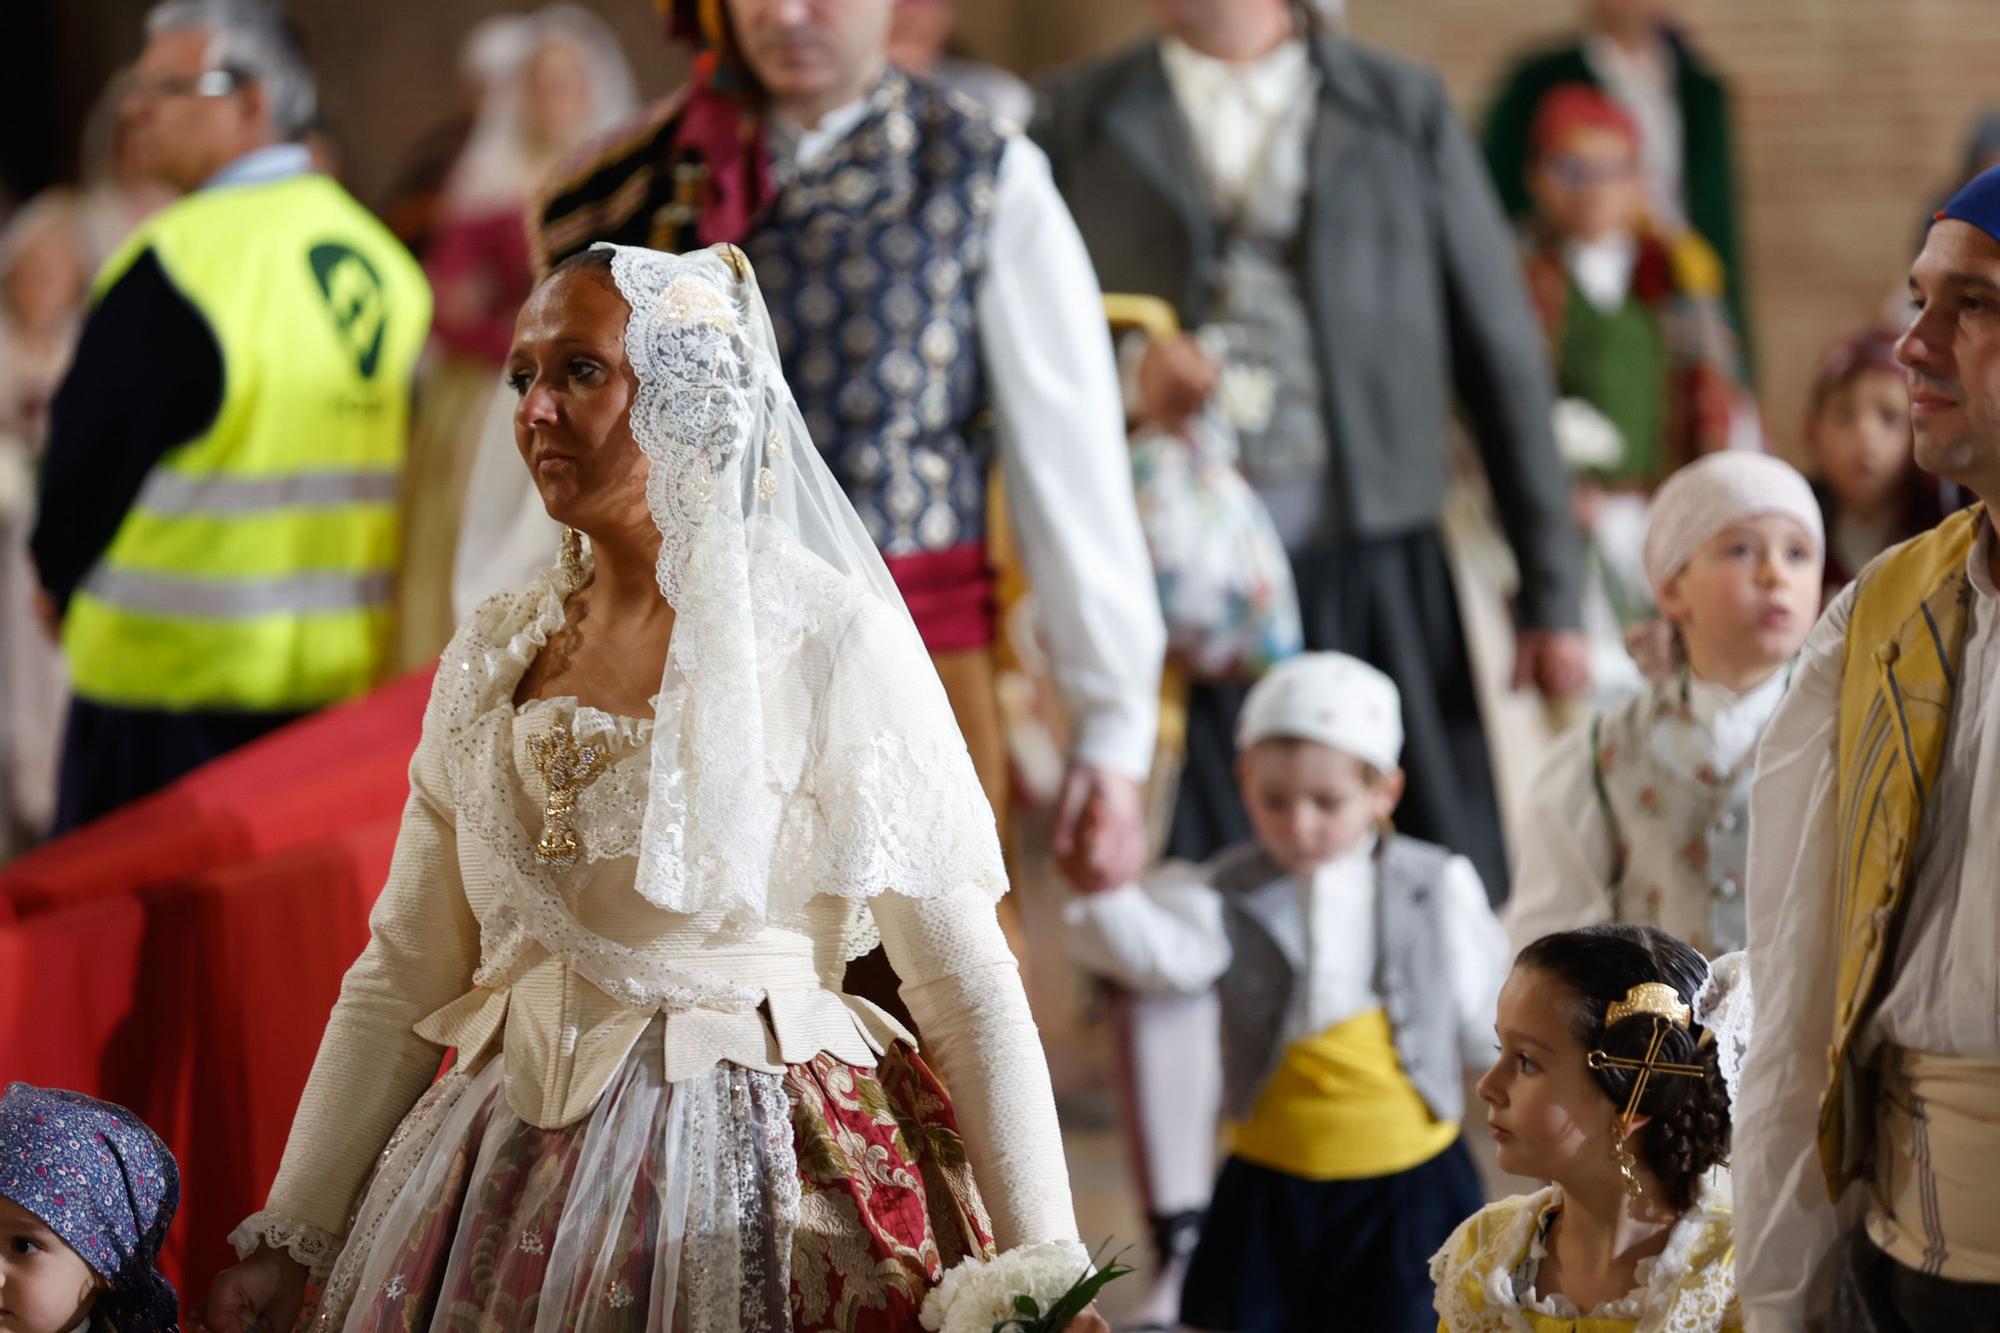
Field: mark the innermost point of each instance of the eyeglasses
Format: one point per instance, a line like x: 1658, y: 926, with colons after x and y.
x: 1577, y: 172
x: 208, y: 83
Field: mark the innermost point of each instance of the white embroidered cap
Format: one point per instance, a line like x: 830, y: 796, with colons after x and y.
x: 1330, y: 698
x: 1709, y: 494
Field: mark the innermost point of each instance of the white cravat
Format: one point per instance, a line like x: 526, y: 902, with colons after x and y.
x: 1250, y: 122
x: 1602, y: 269
x: 792, y: 144
x: 1735, y: 722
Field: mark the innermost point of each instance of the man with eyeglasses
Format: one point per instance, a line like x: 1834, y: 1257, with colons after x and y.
x: 217, y: 531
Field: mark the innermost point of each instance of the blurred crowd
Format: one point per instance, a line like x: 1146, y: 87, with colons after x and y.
x: 1609, y: 152
x: 1454, y: 415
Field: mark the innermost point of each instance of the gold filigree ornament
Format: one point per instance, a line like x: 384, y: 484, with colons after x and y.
x: 566, y: 769
x: 1650, y: 997
x: 570, y: 558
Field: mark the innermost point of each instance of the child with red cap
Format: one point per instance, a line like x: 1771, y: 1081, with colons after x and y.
x: 1638, y: 335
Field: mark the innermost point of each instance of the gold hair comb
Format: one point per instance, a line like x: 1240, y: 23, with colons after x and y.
x: 1650, y: 997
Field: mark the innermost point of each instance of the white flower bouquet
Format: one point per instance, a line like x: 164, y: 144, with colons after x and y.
x: 1030, y: 1289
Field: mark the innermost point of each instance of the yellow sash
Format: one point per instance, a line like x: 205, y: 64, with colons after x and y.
x: 1340, y: 1107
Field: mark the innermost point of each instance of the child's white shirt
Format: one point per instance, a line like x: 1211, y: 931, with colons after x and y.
x: 1565, y: 855
x: 1166, y: 934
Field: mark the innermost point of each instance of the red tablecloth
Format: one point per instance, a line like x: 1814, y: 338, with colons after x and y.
x: 180, y: 956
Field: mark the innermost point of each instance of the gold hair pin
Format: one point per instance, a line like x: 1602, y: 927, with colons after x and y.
x: 1650, y: 997
x: 1664, y: 1005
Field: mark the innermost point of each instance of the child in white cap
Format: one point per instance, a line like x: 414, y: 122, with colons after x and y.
x: 1356, y: 973
x: 1641, y: 814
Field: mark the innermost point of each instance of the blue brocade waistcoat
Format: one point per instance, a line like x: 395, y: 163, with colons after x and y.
x: 869, y: 259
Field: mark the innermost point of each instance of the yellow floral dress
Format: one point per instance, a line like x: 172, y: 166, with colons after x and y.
x: 1485, y: 1274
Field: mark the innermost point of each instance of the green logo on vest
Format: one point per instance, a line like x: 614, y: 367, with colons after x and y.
x: 355, y: 299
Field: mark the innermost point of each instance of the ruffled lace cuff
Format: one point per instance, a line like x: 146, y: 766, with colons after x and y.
x: 309, y: 1245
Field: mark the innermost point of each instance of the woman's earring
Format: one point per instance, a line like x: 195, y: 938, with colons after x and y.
x: 570, y: 554
x: 1621, y: 1153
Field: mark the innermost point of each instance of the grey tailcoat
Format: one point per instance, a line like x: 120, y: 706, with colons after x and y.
x: 1412, y: 279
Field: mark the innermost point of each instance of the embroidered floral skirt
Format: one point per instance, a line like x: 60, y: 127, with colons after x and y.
x: 827, y: 1197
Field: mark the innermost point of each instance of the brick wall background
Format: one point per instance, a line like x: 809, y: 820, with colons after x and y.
x: 1850, y: 113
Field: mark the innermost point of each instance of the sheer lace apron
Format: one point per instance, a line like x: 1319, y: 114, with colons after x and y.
x: 829, y: 1196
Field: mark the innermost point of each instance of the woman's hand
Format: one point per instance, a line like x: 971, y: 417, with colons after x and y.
x: 263, y: 1294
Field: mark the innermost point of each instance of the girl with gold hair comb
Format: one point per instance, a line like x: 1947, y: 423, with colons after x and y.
x: 1618, y: 1052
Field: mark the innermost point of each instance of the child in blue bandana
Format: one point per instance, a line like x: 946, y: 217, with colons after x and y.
x: 87, y: 1192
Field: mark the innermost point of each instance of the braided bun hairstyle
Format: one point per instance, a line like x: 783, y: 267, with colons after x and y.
x: 1689, y: 1129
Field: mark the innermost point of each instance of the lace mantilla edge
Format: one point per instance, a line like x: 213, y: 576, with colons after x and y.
x: 309, y: 1245
x: 1687, y: 1289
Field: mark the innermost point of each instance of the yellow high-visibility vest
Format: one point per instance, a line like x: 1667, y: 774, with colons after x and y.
x: 254, y: 570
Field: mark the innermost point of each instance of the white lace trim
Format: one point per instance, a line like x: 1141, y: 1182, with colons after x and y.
x: 312, y: 1247
x: 1560, y: 1306
x: 882, y: 806
x: 1725, y: 1007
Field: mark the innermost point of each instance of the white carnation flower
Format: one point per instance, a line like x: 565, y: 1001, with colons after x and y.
x: 976, y: 1294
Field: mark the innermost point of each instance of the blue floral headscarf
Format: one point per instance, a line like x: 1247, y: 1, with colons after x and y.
x: 104, y: 1182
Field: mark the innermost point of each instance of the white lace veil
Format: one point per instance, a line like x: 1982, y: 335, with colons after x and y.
x: 771, y: 572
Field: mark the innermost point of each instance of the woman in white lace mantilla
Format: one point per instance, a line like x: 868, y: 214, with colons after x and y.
x: 664, y: 794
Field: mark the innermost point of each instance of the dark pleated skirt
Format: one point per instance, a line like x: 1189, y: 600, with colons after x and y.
x: 1279, y: 1254
x: 1390, y: 603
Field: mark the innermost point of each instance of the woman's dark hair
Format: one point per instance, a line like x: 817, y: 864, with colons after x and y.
x: 1689, y: 1132
x: 594, y: 258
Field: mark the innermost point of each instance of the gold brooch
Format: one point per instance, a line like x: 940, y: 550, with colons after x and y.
x: 566, y: 769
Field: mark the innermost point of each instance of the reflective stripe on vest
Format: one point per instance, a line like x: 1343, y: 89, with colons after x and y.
x: 185, y: 496
x: 216, y: 599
